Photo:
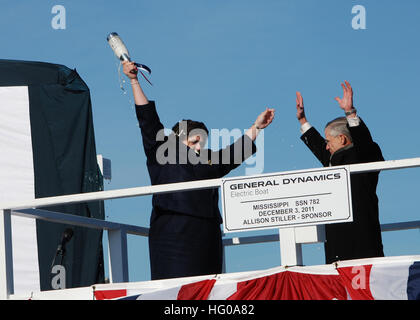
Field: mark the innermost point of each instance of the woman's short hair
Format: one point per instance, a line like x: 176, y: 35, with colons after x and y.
x: 184, y: 127
x: 339, y: 126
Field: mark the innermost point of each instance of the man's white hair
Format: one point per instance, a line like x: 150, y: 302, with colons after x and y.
x: 339, y: 126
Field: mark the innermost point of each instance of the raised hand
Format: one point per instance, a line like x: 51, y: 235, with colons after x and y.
x: 346, y: 103
x: 265, y: 118
x: 130, y: 69
x: 300, y: 110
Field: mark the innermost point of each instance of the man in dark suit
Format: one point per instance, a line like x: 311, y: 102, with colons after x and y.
x: 185, y: 236
x: 348, y: 141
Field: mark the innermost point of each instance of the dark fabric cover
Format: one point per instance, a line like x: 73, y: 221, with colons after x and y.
x: 65, y: 162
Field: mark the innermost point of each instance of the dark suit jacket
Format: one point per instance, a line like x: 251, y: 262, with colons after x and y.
x: 186, y: 166
x: 362, y: 237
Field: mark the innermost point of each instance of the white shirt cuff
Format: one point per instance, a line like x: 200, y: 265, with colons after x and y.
x: 353, y: 121
x: 305, y: 127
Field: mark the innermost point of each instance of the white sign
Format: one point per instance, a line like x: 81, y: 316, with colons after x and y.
x: 290, y: 199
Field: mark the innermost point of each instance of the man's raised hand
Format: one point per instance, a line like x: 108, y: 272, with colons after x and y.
x: 300, y: 110
x: 346, y: 103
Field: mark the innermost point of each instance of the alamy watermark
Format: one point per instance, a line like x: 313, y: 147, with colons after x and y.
x: 59, y: 19
x: 226, y: 147
x: 359, y: 280
x: 359, y: 20
x: 58, y: 281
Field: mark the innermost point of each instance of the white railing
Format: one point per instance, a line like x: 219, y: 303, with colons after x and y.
x: 290, y: 239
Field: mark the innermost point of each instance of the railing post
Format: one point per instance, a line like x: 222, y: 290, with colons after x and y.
x: 6, y: 256
x: 290, y: 251
x: 118, y: 260
x: 223, y: 255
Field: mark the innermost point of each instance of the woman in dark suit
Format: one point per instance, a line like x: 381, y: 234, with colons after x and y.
x: 185, y: 236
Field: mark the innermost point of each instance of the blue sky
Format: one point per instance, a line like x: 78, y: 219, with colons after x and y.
x: 223, y: 62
